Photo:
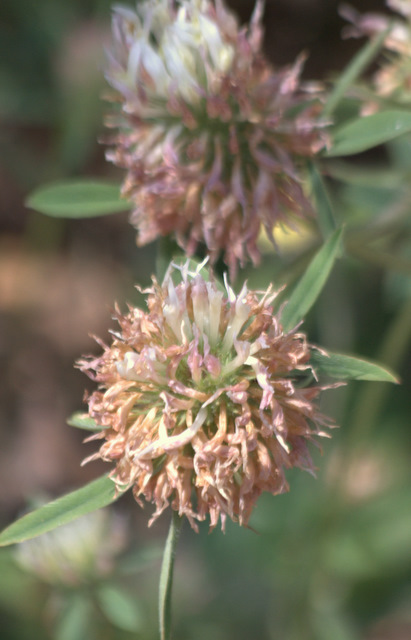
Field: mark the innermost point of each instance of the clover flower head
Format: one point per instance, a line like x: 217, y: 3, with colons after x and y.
x: 202, y: 400
x: 393, y: 79
x: 209, y: 133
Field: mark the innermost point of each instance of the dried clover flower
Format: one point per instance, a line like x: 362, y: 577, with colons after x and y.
x: 201, y: 399
x: 393, y: 79
x: 210, y: 134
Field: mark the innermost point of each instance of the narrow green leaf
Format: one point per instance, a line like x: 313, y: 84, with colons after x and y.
x: 83, y: 421
x: 322, y: 199
x: 122, y: 611
x: 345, y: 367
x: 309, y: 287
x: 367, y: 132
x: 78, y: 199
x: 353, y: 71
x: 94, y: 495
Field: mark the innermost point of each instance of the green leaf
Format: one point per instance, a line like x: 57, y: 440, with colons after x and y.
x: 74, y: 622
x: 83, y: 421
x: 78, y: 199
x: 399, y: 154
x: 367, y: 132
x: 94, y: 495
x: 136, y: 561
x: 121, y: 610
x: 309, y: 287
x: 357, y: 65
x: 338, y: 365
x: 322, y: 199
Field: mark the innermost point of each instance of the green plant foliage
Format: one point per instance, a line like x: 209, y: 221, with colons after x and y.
x: 326, y: 216
x: 367, y: 132
x: 363, y: 176
x: 74, y: 622
x: 374, y: 538
x: 309, y: 287
x: 338, y: 365
x: 137, y: 561
x: 94, y: 495
x: 353, y: 71
x: 121, y: 610
x: 78, y: 199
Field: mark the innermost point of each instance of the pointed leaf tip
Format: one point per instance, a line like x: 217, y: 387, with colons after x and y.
x: 343, y: 367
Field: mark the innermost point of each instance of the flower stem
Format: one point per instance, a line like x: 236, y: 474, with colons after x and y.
x: 166, y: 248
x: 166, y: 577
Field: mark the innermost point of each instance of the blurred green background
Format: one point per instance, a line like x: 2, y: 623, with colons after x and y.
x: 331, y: 560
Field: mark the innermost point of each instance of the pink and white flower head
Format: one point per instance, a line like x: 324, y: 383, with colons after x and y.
x: 210, y: 134
x: 200, y: 399
x: 393, y: 79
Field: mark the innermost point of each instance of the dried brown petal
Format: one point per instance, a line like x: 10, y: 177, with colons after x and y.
x: 202, y: 400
